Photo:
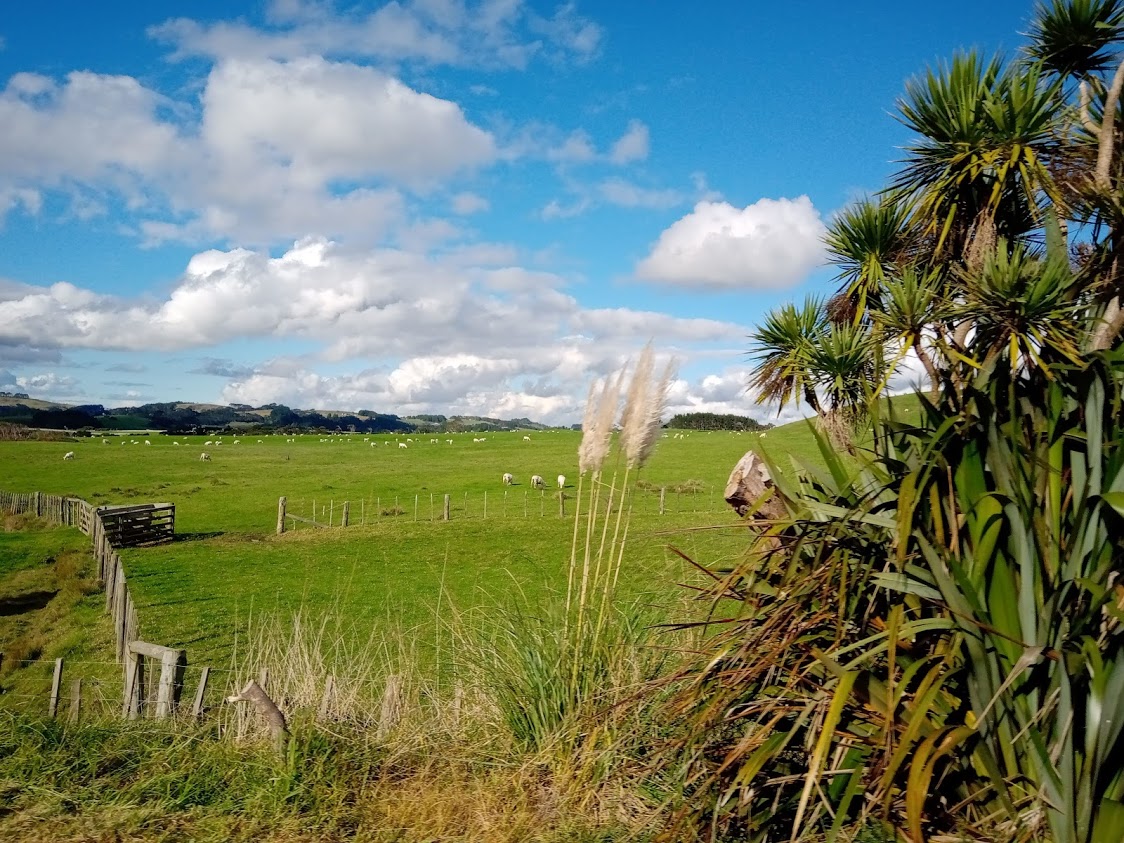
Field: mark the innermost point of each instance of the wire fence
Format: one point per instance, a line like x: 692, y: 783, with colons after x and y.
x: 312, y: 512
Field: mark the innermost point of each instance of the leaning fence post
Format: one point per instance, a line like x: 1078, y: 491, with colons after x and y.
x: 134, y: 684
x: 268, y: 709
x: 197, y: 709
x: 280, y: 515
x: 75, y: 700
x: 55, y: 684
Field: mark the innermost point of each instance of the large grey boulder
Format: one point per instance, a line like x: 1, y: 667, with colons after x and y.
x: 749, y: 482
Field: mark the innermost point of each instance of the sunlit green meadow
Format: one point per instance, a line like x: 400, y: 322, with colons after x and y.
x: 410, y: 573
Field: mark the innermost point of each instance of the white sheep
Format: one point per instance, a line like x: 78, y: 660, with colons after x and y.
x: 508, y: 479
x: 208, y: 442
x: 403, y: 445
x: 205, y: 457
x: 449, y: 441
x: 526, y: 438
x: 261, y: 441
x: 146, y: 442
x: 69, y: 455
x: 105, y: 441
x: 176, y: 443
x: 561, y: 481
x: 537, y: 482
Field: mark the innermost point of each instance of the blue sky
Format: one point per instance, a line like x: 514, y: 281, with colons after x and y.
x: 438, y: 205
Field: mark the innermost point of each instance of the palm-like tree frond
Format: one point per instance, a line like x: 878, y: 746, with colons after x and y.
x: 987, y: 133
x: 1072, y: 37
x: 866, y: 240
x: 1024, y: 308
x: 781, y: 347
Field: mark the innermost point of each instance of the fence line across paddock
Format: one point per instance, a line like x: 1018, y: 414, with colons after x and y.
x: 505, y: 504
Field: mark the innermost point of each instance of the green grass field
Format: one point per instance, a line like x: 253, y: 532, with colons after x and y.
x: 385, y: 572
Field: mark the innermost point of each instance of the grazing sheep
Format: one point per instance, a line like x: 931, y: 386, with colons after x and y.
x: 561, y: 481
x: 105, y: 441
x: 526, y: 438
x: 449, y: 441
x: 208, y: 442
x: 508, y: 479
x: 537, y: 482
x: 403, y: 445
x: 146, y: 442
x: 175, y: 443
x: 373, y: 444
x: 205, y: 457
x: 261, y: 441
x: 69, y: 455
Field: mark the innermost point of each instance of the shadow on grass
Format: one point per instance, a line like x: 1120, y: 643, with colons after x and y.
x: 198, y: 537
x: 21, y: 603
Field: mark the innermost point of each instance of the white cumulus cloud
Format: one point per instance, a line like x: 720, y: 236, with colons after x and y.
x: 773, y: 243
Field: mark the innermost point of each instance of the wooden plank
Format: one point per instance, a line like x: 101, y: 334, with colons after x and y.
x: 56, y: 683
x: 134, y: 686
x: 156, y: 651
x: 75, y: 700
x: 200, y: 693
x: 165, y: 694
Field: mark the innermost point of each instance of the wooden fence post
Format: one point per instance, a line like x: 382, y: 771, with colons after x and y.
x: 331, y: 511
x: 485, y: 505
x: 445, y: 512
x: 55, y: 685
x: 561, y: 504
x: 197, y: 708
x: 134, y: 685
x: 170, y: 670
x: 346, y: 513
x: 542, y: 503
x: 278, y: 727
x: 415, y: 507
x: 75, y: 700
x: 280, y: 515
x: 663, y: 491
x: 465, y: 510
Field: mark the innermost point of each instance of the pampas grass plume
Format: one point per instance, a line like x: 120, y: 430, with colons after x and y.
x: 597, y: 424
x: 657, y: 403
x: 634, y: 420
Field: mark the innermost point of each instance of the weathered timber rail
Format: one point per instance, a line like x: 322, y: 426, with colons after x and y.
x: 138, y: 525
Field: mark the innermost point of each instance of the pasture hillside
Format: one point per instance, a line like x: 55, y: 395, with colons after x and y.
x: 385, y: 571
